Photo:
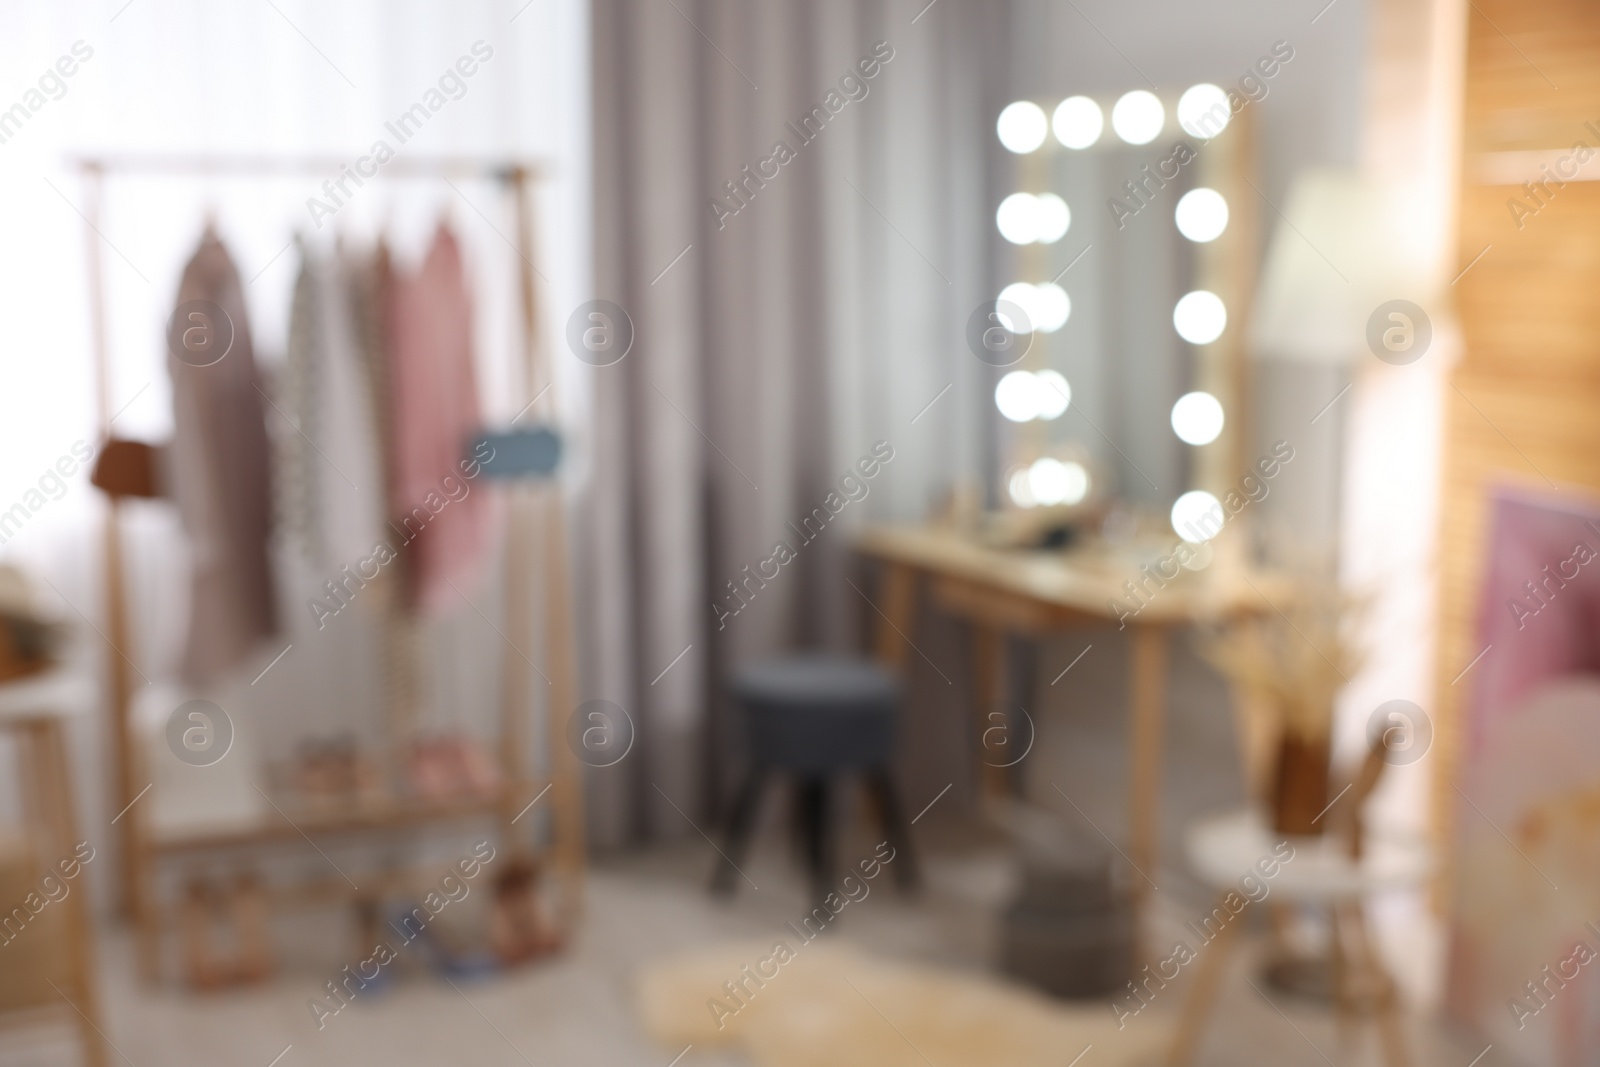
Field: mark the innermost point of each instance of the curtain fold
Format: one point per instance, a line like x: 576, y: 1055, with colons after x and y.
x: 798, y: 244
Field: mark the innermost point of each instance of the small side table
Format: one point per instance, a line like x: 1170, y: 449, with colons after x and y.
x: 34, y: 711
x: 1322, y: 873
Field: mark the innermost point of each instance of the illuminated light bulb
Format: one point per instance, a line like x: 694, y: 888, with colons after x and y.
x: 1053, y: 394
x: 1200, y: 317
x: 1138, y: 117
x: 1197, y: 418
x: 1017, y: 396
x: 1077, y: 483
x: 1026, y: 297
x: 1053, y: 482
x: 1197, y: 516
x: 1078, y: 122
x: 1017, y: 486
x: 1022, y: 126
x: 1053, y: 218
x: 1201, y: 215
x: 1054, y: 307
x: 1203, y: 110
x: 1019, y: 218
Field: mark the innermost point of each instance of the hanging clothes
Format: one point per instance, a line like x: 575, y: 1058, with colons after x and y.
x: 371, y: 288
x: 439, y: 513
x: 220, y: 463
x: 332, y: 497
x: 370, y: 281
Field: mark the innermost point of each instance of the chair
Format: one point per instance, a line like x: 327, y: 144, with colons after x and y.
x: 817, y: 718
x: 50, y: 965
x: 1338, y: 871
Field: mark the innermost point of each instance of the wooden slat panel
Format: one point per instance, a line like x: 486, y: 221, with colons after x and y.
x: 1532, y: 78
x: 1525, y: 400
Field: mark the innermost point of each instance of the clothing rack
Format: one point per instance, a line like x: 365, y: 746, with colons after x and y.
x: 534, y: 514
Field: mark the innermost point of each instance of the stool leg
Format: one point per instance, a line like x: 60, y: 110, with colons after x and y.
x: 895, y: 829
x: 1344, y: 1002
x: 740, y: 823
x: 1202, y: 995
x: 818, y: 834
x: 1391, y: 1032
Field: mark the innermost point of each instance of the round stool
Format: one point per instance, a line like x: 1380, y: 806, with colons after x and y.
x: 1323, y: 873
x: 817, y: 717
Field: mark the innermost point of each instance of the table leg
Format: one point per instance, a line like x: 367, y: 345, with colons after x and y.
x: 989, y: 683
x: 897, y: 605
x: 1149, y: 700
x: 1023, y: 678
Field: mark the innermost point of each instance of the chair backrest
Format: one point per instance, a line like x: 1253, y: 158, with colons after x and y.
x: 129, y: 468
x: 1366, y: 781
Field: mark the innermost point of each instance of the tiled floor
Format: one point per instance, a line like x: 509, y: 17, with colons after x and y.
x: 579, y: 1009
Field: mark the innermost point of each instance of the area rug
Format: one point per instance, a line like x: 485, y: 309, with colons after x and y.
x: 800, y: 1004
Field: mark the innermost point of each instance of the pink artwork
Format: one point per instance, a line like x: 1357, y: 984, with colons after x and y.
x: 1525, y: 923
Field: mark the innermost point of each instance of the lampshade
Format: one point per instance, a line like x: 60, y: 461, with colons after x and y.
x: 1345, y: 246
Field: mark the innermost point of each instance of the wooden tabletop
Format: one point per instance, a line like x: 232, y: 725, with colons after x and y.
x: 1085, y: 581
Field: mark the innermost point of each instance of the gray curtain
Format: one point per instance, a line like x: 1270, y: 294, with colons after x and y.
x: 823, y: 316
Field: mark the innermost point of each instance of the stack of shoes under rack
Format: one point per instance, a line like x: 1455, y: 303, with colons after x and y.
x: 332, y: 773
x: 450, y: 766
x: 239, y: 914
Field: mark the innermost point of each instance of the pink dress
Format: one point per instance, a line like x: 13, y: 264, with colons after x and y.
x: 439, y: 518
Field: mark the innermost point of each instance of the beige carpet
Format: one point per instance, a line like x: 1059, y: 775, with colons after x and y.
x: 832, y: 1005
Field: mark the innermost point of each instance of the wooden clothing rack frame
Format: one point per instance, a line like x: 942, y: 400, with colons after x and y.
x: 535, y: 516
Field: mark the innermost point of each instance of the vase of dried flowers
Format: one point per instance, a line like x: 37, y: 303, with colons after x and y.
x: 1300, y: 783
x: 1292, y: 660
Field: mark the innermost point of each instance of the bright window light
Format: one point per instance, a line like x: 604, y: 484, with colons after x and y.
x: 1138, y: 117
x: 1197, y: 516
x: 1054, y: 218
x: 1200, y: 317
x: 1203, y: 110
x: 1201, y: 215
x: 1078, y: 122
x: 1022, y: 126
x: 1054, y: 394
x: 1197, y: 418
x: 1017, y: 396
x: 1019, y: 218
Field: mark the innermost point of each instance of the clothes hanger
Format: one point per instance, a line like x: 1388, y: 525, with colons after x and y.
x: 208, y: 213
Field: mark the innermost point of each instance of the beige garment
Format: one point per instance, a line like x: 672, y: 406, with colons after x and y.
x: 331, y: 470
x: 220, y: 467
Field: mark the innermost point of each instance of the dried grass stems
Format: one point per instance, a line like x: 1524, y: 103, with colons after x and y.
x: 1298, y: 656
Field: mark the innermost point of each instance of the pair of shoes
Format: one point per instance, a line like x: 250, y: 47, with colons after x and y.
x: 333, y: 769
x: 444, y: 953
x: 518, y: 927
x: 450, y: 767
x: 241, y: 911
